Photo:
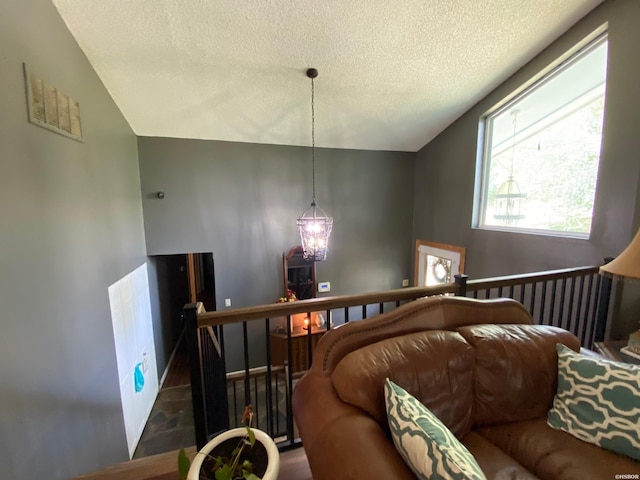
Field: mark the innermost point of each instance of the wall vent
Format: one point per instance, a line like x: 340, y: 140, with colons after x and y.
x: 49, y: 108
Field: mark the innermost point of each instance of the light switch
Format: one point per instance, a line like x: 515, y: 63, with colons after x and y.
x: 324, y: 287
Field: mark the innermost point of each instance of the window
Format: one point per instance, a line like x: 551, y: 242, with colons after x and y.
x: 541, y: 151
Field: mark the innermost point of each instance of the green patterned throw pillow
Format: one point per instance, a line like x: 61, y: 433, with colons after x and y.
x: 598, y: 401
x: 424, y: 442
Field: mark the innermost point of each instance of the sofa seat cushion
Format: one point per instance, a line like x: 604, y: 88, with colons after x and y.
x: 428, y: 447
x: 516, y: 370
x: 598, y: 401
x: 553, y: 454
x: 436, y: 367
x: 495, y: 464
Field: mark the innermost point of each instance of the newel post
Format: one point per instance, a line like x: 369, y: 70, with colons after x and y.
x: 195, y: 370
x: 461, y: 280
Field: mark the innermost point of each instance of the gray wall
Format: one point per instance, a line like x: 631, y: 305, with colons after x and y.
x: 72, y: 224
x: 71, y: 218
x: 241, y: 201
x: 446, y: 167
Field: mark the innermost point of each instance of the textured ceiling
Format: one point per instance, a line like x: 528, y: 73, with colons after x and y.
x: 393, y: 74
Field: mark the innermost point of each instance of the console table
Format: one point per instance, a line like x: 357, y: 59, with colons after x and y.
x: 299, y: 348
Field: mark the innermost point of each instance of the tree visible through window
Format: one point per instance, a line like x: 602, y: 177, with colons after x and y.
x: 542, y: 151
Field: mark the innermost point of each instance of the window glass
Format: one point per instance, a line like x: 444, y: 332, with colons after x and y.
x: 542, y: 150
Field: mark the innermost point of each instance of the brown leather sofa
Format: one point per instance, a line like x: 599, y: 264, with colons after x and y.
x: 479, y: 365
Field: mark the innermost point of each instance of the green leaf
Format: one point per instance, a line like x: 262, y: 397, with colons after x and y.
x: 250, y: 476
x: 183, y: 464
x: 252, y: 436
x: 224, y: 473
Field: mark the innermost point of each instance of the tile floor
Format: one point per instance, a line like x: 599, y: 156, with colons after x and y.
x: 170, y: 425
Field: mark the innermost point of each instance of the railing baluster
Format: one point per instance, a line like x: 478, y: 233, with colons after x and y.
x: 268, y: 380
x: 589, y: 314
x: 221, y: 340
x: 235, y: 403
x: 364, y: 312
x: 572, y: 294
x: 579, y: 320
x: 245, y: 346
x: 256, y: 404
x: 554, y: 287
x: 381, y: 307
x: 532, y: 302
x: 346, y: 314
x: 543, y: 302
x: 289, y: 378
x: 277, y: 402
x: 309, y: 341
x: 563, y: 293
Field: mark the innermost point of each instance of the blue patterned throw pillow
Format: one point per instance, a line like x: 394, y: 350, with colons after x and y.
x: 424, y: 442
x: 598, y: 401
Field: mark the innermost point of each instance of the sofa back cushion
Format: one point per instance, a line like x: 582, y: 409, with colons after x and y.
x: 516, y: 370
x: 436, y: 367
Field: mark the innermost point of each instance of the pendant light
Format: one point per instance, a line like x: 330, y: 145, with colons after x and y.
x: 509, y: 198
x: 314, y: 224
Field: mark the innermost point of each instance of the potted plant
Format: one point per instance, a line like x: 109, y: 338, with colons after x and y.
x: 239, y: 453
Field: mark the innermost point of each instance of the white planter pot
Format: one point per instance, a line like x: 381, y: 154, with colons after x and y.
x: 273, y: 454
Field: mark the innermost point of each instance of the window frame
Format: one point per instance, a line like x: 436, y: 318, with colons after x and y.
x: 485, y: 132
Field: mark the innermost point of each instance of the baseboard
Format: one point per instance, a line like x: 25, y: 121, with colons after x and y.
x: 170, y: 362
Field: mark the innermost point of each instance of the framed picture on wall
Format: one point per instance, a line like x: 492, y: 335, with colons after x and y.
x: 437, y: 263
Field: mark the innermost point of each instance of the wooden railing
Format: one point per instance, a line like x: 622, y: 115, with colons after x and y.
x: 575, y: 299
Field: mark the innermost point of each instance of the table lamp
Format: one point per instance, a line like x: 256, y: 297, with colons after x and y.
x: 627, y: 265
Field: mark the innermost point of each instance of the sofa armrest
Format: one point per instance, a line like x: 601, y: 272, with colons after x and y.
x: 341, y: 441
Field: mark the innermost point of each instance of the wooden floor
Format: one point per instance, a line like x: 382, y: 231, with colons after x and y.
x: 293, y: 466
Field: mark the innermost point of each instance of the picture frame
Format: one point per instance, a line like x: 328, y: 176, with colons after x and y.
x: 437, y: 263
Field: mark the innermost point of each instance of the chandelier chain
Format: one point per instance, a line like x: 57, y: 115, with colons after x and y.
x: 313, y: 142
x: 514, y: 115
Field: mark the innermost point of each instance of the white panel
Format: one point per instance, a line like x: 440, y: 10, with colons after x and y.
x: 133, y: 337
x: 128, y: 410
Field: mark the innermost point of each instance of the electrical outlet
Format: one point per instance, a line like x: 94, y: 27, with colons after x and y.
x: 405, y: 282
x: 227, y: 302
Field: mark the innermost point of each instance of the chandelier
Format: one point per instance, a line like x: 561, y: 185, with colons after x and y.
x: 509, y: 199
x: 314, y: 224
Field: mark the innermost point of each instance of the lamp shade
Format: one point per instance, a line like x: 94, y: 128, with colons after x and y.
x: 627, y: 264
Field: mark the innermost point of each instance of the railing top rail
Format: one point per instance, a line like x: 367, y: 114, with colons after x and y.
x: 224, y: 317
x: 509, y: 280
x: 236, y: 315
